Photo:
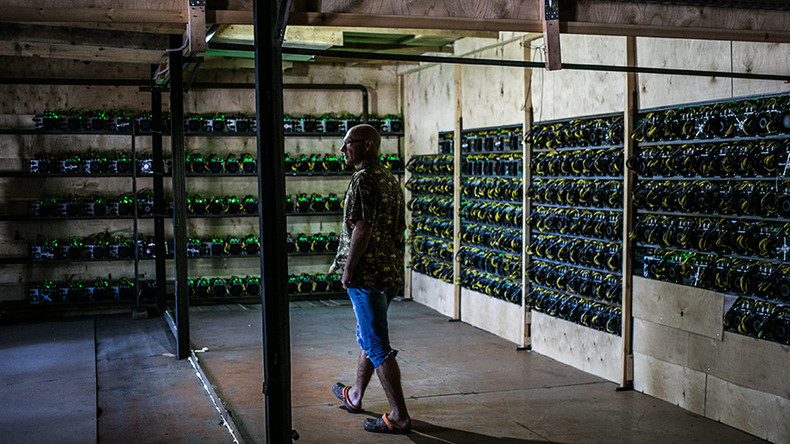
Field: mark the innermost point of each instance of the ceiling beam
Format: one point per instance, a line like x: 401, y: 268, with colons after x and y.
x: 593, y: 17
x: 108, y: 15
x: 80, y: 52
x: 15, y: 32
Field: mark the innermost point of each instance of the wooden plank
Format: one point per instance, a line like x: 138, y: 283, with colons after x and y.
x: 197, y: 28
x: 394, y: 21
x: 586, y: 349
x: 85, y: 53
x: 28, y: 14
x: 673, y: 383
x: 759, y: 413
x: 457, y: 168
x: 744, y: 361
x: 479, y: 9
x: 14, y: 32
x: 149, y: 28
x: 662, y: 342
x: 629, y: 116
x: 549, y: 18
x: 493, y: 315
x: 433, y: 293
x: 678, y: 306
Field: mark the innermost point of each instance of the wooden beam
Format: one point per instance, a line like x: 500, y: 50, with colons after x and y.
x: 85, y: 53
x: 112, y: 15
x: 631, y: 106
x: 457, y: 157
x: 197, y: 25
x: 15, y: 32
x: 550, y: 19
x: 147, y: 28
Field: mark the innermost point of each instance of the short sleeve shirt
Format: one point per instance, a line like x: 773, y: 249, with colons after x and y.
x: 374, y: 195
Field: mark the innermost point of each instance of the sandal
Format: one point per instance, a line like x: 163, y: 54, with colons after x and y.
x: 383, y: 425
x: 341, y: 391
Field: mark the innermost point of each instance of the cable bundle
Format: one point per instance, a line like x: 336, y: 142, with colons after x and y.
x: 434, y: 248
x: 588, y: 284
x: 500, y: 264
x: 431, y: 185
x: 442, y: 208
x: 745, y: 118
x: 578, y: 133
x: 601, y: 162
x: 594, y: 254
x: 431, y: 165
x: 741, y: 159
x: 753, y: 198
x: 441, y: 228
x: 430, y: 267
x: 508, y: 165
x: 593, y: 193
x: 493, y: 189
x: 759, y: 319
x: 500, y: 288
x: 509, y: 240
x: 586, y: 223
x: 591, y: 314
x: 504, y: 215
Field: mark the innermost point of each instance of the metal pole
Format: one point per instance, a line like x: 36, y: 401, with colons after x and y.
x: 177, y: 151
x: 271, y: 210
x: 528, y: 64
x: 159, y: 200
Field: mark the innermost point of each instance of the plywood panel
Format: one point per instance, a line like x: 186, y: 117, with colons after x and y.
x: 430, y: 107
x: 763, y: 58
x: 492, y: 95
x: 661, y: 342
x: 744, y: 361
x: 660, y: 90
x: 382, y: 84
x: 432, y: 293
x: 670, y: 382
x: 589, y: 350
x: 34, y: 99
x: 566, y: 93
x: 761, y: 414
x: 492, y: 315
x: 679, y: 306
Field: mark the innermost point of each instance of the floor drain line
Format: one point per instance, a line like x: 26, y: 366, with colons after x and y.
x: 227, y: 421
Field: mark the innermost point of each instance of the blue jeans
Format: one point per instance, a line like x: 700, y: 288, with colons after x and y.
x: 370, y: 308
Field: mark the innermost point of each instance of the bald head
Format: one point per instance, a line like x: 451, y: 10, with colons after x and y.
x: 367, y: 132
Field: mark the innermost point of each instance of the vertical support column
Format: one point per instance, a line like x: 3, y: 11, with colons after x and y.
x: 271, y: 209
x: 526, y: 180
x: 629, y: 117
x: 459, y: 126
x: 159, y: 200
x: 550, y: 18
x: 408, y: 153
x: 177, y: 151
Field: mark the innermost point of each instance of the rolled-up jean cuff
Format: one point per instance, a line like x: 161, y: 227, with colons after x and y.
x: 370, y: 307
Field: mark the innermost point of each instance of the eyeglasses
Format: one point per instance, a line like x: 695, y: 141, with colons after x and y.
x: 349, y: 142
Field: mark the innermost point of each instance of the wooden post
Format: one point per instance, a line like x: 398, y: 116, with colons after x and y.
x: 550, y: 19
x: 525, y: 181
x: 631, y: 107
x: 457, y: 190
x: 197, y: 26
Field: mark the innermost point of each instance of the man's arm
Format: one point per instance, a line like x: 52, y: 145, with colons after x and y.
x: 360, y: 237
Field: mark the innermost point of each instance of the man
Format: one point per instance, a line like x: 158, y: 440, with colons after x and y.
x: 370, y: 254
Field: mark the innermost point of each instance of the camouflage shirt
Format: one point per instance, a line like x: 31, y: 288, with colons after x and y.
x: 374, y: 195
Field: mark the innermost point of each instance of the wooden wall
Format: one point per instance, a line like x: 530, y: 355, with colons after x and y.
x: 681, y: 353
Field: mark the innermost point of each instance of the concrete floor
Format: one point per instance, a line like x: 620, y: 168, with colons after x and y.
x: 463, y: 385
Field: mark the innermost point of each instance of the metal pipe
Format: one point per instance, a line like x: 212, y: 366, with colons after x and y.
x: 177, y: 151
x: 530, y: 64
x: 271, y: 211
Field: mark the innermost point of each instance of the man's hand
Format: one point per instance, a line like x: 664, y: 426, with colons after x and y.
x: 346, y: 278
